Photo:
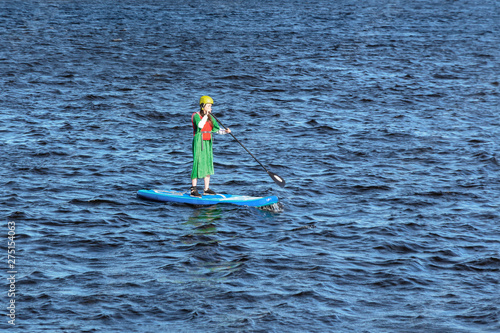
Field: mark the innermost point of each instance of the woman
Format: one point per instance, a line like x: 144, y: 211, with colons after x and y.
x: 203, y: 159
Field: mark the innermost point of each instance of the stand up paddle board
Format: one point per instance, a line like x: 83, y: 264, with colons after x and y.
x: 184, y: 197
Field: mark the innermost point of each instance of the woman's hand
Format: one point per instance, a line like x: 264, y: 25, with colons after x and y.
x: 228, y: 130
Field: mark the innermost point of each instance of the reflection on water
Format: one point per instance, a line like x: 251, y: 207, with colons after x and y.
x: 206, y: 258
x: 203, y: 219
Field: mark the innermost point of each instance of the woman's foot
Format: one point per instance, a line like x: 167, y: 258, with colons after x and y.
x: 208, y: 191
x: 194, y: 192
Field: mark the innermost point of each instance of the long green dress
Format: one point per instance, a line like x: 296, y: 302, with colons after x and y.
x: 203, y: 158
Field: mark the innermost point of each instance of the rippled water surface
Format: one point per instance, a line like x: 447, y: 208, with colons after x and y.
x: 382, y: 116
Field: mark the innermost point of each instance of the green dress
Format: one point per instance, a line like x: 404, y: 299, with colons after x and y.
x: 203, y: 156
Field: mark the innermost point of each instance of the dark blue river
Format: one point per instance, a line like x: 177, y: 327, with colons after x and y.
x: 383, y: 117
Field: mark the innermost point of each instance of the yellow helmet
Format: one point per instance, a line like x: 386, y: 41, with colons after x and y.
x: 206, y: 100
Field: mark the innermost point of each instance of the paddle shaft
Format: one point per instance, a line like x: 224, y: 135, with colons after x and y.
x: 240, y: 143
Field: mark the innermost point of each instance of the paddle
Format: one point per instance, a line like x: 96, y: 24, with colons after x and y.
x: 277, y: 179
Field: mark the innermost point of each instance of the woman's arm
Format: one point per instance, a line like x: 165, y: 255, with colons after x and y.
x: 202, y: 122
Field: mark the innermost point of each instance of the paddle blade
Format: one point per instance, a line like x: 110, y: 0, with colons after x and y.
x: 277, y: 179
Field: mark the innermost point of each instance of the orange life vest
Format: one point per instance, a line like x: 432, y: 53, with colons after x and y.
x: 206, y: 131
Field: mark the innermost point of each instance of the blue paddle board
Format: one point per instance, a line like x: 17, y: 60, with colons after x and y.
x: 184, y: 197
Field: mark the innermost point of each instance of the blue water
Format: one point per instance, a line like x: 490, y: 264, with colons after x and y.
x: 382, y: 117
